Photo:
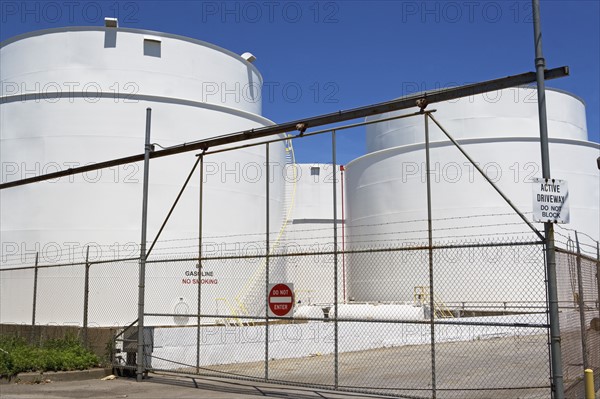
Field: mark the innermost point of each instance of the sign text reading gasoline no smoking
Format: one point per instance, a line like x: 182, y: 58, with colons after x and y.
x: 550, y: 200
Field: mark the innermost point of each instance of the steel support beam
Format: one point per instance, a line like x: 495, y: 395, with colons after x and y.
x: 430, y: 97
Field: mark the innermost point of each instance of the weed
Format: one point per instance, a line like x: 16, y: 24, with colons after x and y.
x: 17, y: 356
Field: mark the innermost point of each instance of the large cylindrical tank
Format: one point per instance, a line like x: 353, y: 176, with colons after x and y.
x: 387, y: 197
x: 75, y: 96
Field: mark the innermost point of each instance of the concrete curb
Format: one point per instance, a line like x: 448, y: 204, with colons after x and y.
x: 77, y: 375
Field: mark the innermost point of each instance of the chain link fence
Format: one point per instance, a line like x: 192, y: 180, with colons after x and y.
x: 578, y: 285
x: 472, y: 347
x: 394, y: 307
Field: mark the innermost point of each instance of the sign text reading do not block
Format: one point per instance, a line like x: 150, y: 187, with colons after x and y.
x: 550, y: 200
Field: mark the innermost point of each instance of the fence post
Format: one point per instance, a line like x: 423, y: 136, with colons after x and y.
x: 142, y: 272
x: 581, y: 305
x: 33, y: 307
x: 267, y: 244
x: 430, y: 246
x: 200, y: 194
x: 86, y: 292
x: 335, y: 266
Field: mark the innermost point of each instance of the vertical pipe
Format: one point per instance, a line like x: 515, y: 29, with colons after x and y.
x: 86, y: 293
x: 430, y: 247
x: 581, y: 305
x: 199, y: 306
x: 588, y: 380
x: 142, y: 271
x: 343, y: 236
x: 34, y: 305
x: 540, y: 66
x: 335, y: 266
x: 267, y: 249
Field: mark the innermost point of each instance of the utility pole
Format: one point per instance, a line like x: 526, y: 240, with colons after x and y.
x: 555, y: 351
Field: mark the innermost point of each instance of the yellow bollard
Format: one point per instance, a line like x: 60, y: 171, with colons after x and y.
x: 589, y: 384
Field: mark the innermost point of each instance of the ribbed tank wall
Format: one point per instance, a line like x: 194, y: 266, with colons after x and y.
x: 105, y: 60
x: 386, y: 199
x: 387, y: 206
x: 504, y: 113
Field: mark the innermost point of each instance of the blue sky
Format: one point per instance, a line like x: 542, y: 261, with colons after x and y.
x: 323, y: 56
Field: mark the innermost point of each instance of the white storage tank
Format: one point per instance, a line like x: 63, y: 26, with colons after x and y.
x: 74, y: 96
x: 387, y: 204
x: 310, y: 230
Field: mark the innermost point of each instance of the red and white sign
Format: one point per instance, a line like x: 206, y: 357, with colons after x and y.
x: 281, y: 300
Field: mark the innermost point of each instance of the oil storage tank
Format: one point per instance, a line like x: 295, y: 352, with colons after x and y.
x: 78, y: 95
x: 387, y: 197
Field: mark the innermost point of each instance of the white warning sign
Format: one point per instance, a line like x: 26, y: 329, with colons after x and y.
x: 550, y: 200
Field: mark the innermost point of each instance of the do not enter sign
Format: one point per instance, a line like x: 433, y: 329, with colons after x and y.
x: 281, y: 300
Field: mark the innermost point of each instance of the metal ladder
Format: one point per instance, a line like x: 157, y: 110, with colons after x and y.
x: 421, y: 297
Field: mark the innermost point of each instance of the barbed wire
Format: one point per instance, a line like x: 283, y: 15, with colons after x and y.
x: 291, y: 229
x: 290, y: 237
x: 578, y: 232
x: 55, y: 251
x: 569, y: 239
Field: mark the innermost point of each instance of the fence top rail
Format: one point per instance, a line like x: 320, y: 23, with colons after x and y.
x: 90, y: 263
x: 439, y: 321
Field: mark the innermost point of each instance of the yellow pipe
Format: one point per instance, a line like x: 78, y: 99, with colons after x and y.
x: 589, y: 384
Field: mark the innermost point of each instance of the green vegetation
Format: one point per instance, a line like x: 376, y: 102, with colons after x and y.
x: 17, y: 356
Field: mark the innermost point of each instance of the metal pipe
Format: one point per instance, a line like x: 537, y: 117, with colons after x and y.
x: 581, y: 305
x: 335, y: 267
x: 540, y: 66
x: 142, y: 272
x: 200, y: 214
x: 430, y: 251
x: 431, y: 97
x: 449, y: 322
x: 267, y: 249
x: 478, y: 168
x: 86, y: 294
x: 289, y: 137
x: 343, y: 236
x: 588, y: 377
x: 34, y: 305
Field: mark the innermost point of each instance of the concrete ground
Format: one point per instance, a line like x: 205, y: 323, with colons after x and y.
x: 504, y: 368
x: 165, y: 386
x: 478, y: 369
